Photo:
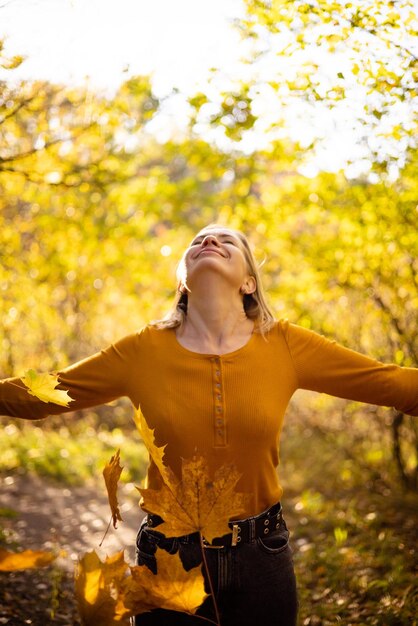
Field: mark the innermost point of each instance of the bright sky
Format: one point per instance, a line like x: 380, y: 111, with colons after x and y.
x: 176, y: 41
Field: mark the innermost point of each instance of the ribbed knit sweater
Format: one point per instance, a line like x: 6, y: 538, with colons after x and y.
x: 228, y: 408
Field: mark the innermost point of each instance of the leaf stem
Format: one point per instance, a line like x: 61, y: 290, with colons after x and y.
x: 106, y: 531
x: 215, y: 606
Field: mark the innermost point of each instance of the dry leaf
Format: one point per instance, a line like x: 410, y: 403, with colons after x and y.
x: 198, y: 503
x: 42, y: 386
x: 156, y: 452
x: 107, y: 594
x: 29, y: 559
x: 111, y: 473
x: 172, y: 588
x: 97, y: 586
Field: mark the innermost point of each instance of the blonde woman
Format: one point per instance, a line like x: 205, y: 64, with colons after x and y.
x: 215, y: 376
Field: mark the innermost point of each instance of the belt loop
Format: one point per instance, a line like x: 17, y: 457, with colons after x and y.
x: 252, y: 530
x: 235, y: 534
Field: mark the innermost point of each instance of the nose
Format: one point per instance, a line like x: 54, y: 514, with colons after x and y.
x: 210, y: 240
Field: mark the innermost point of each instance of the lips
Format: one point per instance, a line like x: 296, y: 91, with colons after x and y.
x: 210, y: 250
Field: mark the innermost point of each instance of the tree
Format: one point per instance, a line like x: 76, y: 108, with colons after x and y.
x: 353, y: 61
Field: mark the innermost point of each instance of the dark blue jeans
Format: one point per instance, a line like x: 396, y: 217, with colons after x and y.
x: 254, y: 583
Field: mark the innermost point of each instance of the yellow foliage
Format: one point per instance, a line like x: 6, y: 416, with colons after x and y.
x: 156, y: 452
x: 111, y: 474
x: 110, y: 592
x: 29, y: 559
x: 173, y: 588
x: 42, y: 386
x: 198, y: 503
x: 96, y: 588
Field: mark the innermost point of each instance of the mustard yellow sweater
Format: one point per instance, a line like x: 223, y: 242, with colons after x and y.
x: 228, y: 408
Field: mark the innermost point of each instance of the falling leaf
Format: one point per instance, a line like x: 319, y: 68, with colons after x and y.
x: 111, y: 473
x: 29, y: 559
x: 110, y: 592
x: 42, y: 386
x: 156, y: 452
x: 198, y: 503
x: 173, y: 587
x: 96, y: 589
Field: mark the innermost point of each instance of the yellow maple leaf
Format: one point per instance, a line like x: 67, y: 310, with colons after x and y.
x: 42, y: 386
x: 155, y: 452
x: 109, y: 592
x: 173, y: 587
x: 96, y: 589
x: 29, y: 559
x: 197, y: 503
x: 111, y: 473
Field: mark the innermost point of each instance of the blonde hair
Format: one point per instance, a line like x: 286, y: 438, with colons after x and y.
x: 255, y: 304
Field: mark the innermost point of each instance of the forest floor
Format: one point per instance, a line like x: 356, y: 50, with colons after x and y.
x: 40, y: 514
x: 355, y: 553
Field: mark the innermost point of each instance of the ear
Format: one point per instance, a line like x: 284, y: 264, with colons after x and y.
x: 248, y: 286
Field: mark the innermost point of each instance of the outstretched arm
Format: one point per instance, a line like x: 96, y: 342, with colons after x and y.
x: 325, y: 366
x: 98, y: 379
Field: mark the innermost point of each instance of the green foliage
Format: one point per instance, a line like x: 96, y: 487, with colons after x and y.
x: 88, y: 254
x: 71, y: 456
x: 233, y: 113
x: 353, y: 533
x: 95, y: 213
x: 333, y: 55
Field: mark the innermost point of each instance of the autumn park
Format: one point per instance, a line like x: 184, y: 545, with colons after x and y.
x: 310, y: 148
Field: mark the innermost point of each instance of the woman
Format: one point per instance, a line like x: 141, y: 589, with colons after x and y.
x: 215, y: 377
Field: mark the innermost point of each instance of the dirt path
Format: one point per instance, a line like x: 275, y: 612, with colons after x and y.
x: 45, y: 516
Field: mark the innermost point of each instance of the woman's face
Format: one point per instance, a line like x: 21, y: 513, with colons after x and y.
x: 219, y: 250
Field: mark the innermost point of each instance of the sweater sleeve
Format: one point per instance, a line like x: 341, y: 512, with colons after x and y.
x: 98, y: 379
x: 325, y: 366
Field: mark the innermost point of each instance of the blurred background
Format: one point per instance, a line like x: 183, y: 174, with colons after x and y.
x: 125, y: 128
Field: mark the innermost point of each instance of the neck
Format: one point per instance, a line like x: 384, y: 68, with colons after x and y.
x: 215, y: 317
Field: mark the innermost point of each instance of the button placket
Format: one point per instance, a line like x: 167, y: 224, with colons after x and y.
x: 219, y: 409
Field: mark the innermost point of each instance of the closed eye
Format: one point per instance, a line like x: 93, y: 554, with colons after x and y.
x: 221, y: 238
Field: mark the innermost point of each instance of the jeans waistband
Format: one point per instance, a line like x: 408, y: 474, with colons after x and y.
x: 245, y: 530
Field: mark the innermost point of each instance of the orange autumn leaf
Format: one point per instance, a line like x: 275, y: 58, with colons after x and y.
x: 198, y: 503
x: 173, y: 587
x: 96, y: 589
x: 111, y: 473
x: 109, y: 592
x: 155, y: 452
x: 29, y: 559
x: 42, y: 386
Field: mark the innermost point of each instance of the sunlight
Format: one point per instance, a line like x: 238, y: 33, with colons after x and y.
x: 108, y: 40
